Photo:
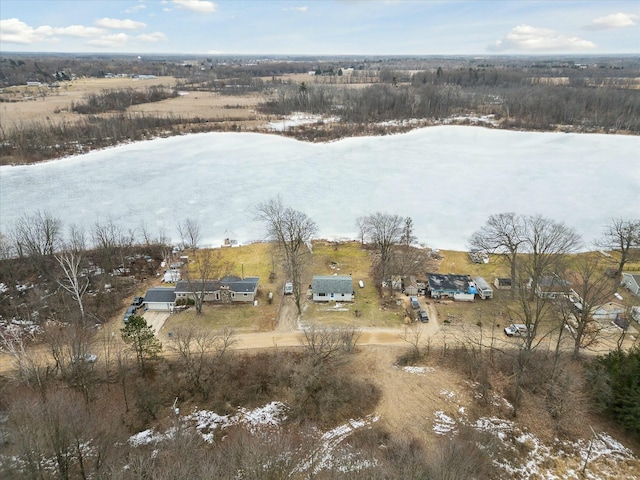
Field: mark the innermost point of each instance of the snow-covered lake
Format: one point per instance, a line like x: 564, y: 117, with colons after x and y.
x: 449, y: 179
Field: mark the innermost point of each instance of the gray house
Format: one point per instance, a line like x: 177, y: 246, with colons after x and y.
x: 160, y: 299
x: 328, y: 288
x: 229, y: 289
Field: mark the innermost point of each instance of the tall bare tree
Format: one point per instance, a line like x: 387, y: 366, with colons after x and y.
x: 593, y: 287
x: 545, y: 246
x: 384, y: 231
x: 190, y: 233
x: 292, y: 231
x: 503, y: 234
x: 622, y: 236
x: 71, y: 280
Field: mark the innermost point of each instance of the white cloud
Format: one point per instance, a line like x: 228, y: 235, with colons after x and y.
x: 199, y: 6
x: 152, y: 37
x: 615, y: 20
x: 534, y: 39
x: 135, y: 8
x: 118, y: 24
x: 114, y: 40
x: 295, y: 9
x: 13, y: 30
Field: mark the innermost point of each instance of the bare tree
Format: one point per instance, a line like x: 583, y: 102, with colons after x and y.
x: 503, y: 234
x: 204, y: 268
x: 71, y: 280
x: 37, y: 236
x: 622, y: 236
x: 190, y: 234
x: 546, y: 244
x: 77, y: 241
x: 293, y: 231
x: 593, y: 287
x: 198, y: 350
x: 361, y: 225
x: 384, y: 231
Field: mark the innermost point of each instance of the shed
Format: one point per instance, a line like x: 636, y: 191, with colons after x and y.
x: 410, y: 285
x: 327, y: 288
x: 160, y: 299
x: 502, y: 283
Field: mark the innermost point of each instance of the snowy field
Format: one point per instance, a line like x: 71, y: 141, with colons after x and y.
x: 449, y: 179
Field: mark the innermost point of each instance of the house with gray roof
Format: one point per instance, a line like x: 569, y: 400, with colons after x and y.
x: 553, y: 286
x: 228, y: 289
x: 160, y: 299
x: 336, y: 288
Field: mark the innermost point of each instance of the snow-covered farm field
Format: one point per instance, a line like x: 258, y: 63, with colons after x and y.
x: 449, y: 179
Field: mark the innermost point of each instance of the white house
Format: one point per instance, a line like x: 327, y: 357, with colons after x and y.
x: 328, y: 288
x: 632, y: 282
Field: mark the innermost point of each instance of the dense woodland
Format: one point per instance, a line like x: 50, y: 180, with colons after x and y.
x: 581, y: 95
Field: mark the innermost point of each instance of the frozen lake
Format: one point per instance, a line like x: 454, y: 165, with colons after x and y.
x: 449, y: 179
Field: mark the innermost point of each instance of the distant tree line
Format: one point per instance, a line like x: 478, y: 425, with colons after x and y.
x: 39, y: 141
x: 518, y: 105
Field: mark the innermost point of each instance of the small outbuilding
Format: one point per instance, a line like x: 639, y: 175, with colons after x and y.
x: 502, y: 283
x: 336, y: 288
x: 410, y: 285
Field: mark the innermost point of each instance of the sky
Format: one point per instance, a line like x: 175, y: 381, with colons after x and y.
x: 448, y: 179
x: 321, y: 27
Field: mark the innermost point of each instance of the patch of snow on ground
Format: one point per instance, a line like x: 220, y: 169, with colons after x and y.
x: 541, y: 461
x: 418, y: 370
x: 296, y: 119
x: 443, y: 423
x: 326, y: 456
x: 447, y: 394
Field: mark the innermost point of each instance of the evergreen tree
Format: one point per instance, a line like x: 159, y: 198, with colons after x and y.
x: 140, y: 336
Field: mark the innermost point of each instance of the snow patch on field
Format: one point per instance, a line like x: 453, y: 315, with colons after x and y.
x: 418, y: 370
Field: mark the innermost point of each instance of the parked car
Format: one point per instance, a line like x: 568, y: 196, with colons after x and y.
x: 414, y: 302
x: 288, y: 288
x: 422, y: 316
x: 517, y: 329
x: 131, y: 311
x: 137, y: 302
